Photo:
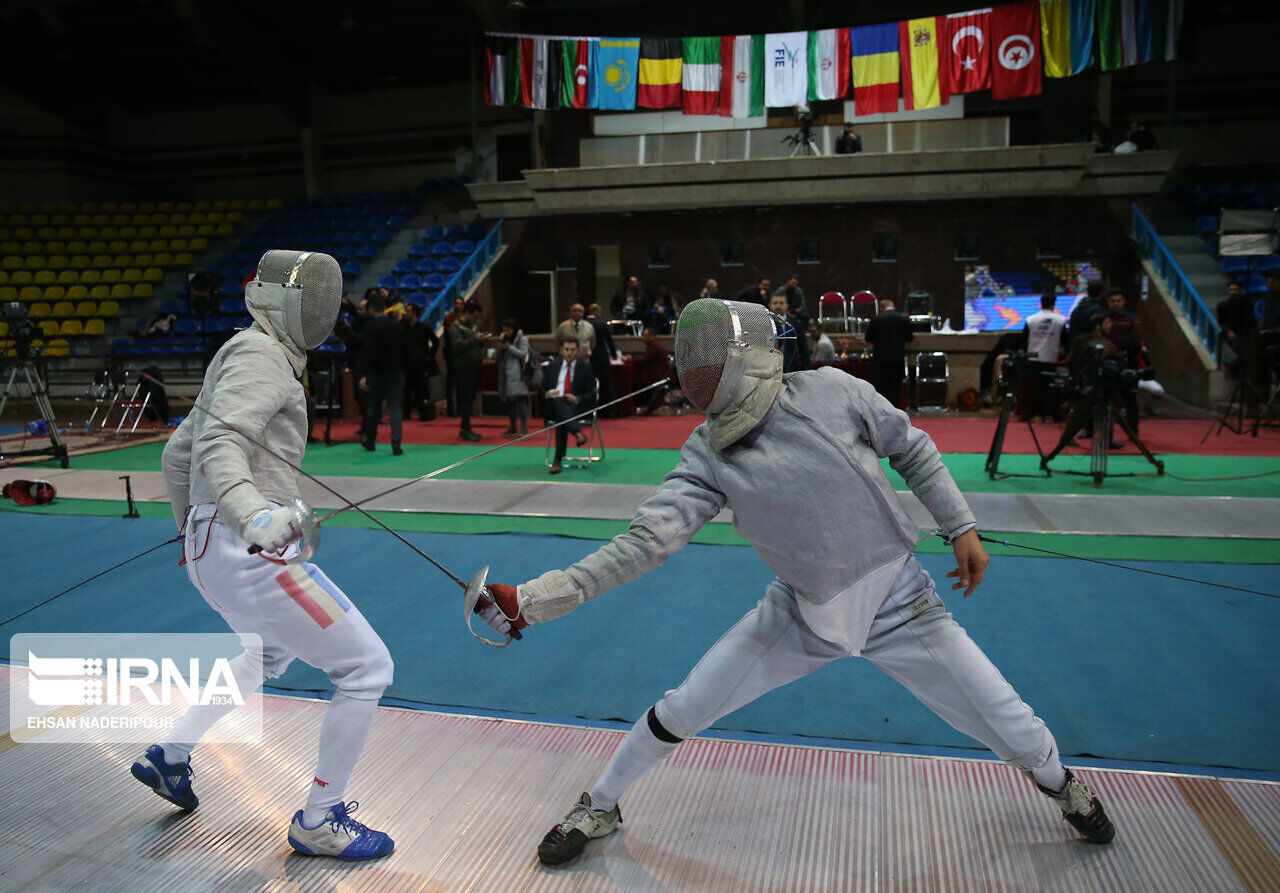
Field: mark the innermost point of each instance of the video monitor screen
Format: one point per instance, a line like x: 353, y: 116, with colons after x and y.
x: 1000, y: 300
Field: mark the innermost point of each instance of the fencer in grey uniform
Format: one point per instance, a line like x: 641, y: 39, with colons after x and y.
x: 841, y: 590
x: 229, y: 493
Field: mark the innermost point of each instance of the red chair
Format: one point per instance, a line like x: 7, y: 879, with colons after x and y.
x: 833, y: 308
x: 863, y: 309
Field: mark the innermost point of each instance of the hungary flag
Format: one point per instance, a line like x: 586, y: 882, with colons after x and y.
x: 742, y: 76
x: 701, y: 75
x: 828, y: 63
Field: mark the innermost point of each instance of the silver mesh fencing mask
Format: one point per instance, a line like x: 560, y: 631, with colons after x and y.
x: 711, y: 336
x: 308, y: 288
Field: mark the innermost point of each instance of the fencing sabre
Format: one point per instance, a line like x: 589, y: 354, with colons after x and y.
x: 1123, y: 567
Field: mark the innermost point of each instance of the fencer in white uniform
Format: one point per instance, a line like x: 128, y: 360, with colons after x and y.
x: 228, y: 493
x: 842, y: 589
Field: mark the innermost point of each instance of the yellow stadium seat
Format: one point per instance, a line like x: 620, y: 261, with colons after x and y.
x: 45, y: 277
x: 184, y: 259
x: 91, y: 277
x: 199, y: 244
x: 142, y: 290
x: 68, y: 277
x: 143, y: 260
x: 77, y: 293
x: 55, y: 246
x: 17, y: 218
x: 80, y: 220
x: 158, y: 245
x: 117, y: 246
x: 77, y: 246
x: 221, y: 204
x: 119, y: 219
x: 163, y: 259
x: 152, y: 274
x: 122, y: 260
x: 59, y: 219
x: 206, y: 230
x: 109, y: 308
x: 48, y: 327
x: 128, y: 232
x: 39, y: 218
x: 185, y: 206
x: 238, y: 204
x: 275, y: 204
x: 109, y: 232
x: 58, y: 262
x: 12, y: 262
x: 215, y: 217
x: 4, y: 328
x: 4, y: 277
x: 108, y: 207
x: 128, y: 207
x: 86, y: 309
x: 57, y: 347
x: 147, y: 232
x: 139, y: 219
x: 11, y: 246
x: 138, y: 245
x: 62, y: 309
x: 112, y: 275
x: 178, y: 244
x: 20, y: 277
x: 168, y: 231
x: 30, y: 293
x: 146, y: 207
x: 202, y: 205
x: 224, y: 229
x: 178, y: 217
x: 23, y: 232
x: 44, y: 233
x: 33, y: 262
x: 97, y: 246
x: 256, y: 204
x: 38, y: 310
x: 196, y: 218
x: 159, y: 219
x: 89, y: 207
x: 80, y: 262
x: 66, y: 232
x: 95, y: 327
x: 101, y: 261
x: 121, y: 292
x: 100, y: 293
x: 8, y: 293
x: 164, y: 206
x: 71, y: 327
x: 87, y: 232
x: 186, y: 230
x: 132, y: 274
x: 31, y: 246
x: 235, y: 215
x: 55, y: 293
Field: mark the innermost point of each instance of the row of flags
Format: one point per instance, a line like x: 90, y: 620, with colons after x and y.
x: 1006, y: 49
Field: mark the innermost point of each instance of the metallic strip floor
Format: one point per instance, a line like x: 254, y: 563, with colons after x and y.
x: 467, y: 799
x: 1175, y: 516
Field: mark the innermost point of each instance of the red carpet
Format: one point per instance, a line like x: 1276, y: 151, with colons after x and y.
x: 952, y: 434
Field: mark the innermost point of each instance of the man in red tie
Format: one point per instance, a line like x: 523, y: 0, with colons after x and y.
x: 571, y: 389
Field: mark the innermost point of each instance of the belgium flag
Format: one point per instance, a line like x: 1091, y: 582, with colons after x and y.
x: 660, y: 72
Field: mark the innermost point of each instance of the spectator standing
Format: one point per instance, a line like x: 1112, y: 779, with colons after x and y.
x: 450, y: 381
x: 1087, y: 312
x: 630, y: 301
x: 756, y: 294
x: 420, y: 361
x: 602, y: 354
x: 466, y: 340
x: 1237, y: 321
x: 795, y: 298
x: 889, y: 333
x: 570, y: 391
x: 795, y: 343
x: 1124, y: 330
x: 577, y: 328
x: 848, y: 143
x: 514, y: 357
x: 384, y: 358
x: 1044, y: 344
x: 655, y: 365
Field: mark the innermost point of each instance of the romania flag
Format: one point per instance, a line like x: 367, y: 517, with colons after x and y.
x: 661, y: 62
x: 924, y: 83
x: 875, y: 68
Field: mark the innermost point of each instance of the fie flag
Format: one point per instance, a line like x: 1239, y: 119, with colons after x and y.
x: 1066, y: 36
x: 966, y: 47
x: 1135, y: 31
x: 574, y: 79
x: 828, y: 63
x: 742, y: 76
x: 660, y: 64
x: 613, y: 64
x: 923, y: 78
x: 786, y: 78
x: 1015, y: 42
x: 874, y: 68
x: 700, y: 77
x: 502, y: 64
x: 533, y: 72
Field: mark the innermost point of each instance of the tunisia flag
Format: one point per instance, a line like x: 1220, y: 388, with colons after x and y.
x: 967, y: 50
x: 1015, y: 50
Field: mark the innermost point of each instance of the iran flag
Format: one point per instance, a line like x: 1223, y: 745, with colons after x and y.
x: 828, y: 63
x: 742, y: 76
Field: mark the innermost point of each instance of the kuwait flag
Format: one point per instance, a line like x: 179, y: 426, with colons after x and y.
x: 1066, y: 36
x: 828, y: 63
x: 660, y: 71
x: 924, y: 80
x: 502, y: 70
x: 534, y: 60
x: 875, y: 68
x: 1135, y: 31
x: 1015, y: 41
x: 742, y: 76
x: 965, y: 47
x: 701, y: 75
x: 786, y: 78
x: 575, y: 75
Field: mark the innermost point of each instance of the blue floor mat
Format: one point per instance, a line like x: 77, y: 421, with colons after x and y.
x: 1119, y: 666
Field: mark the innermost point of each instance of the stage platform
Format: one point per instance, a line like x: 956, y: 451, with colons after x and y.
x: 467, y: 799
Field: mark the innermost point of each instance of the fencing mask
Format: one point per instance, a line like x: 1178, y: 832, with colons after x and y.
x: 299, y: 293
x: 29, y: 492
x: 729, y: 363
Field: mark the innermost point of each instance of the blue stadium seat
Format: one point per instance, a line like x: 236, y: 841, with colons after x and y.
x: 362, y: 236
x: 173, y: 305
x: 433, y: 280
x: 1254, y: 283
x: 187, y: 346
x: 1206, y: 225
x: 418, y: 298
x: 404, y: 265
x: 454, y: 232
x: 449, y: 264
x: 368, y: 252
x: 463, y: 247
x: 1268, y: 263
x: 1235, y: 264
x: 395, y: 221
x: 352, y: 268
x: 382, y: 236
x: 442, y: 249
x: 410, y: 281
x: 388, y: 281
x: 427, y: 265
x: 432, y: 234
x: 419, y: 249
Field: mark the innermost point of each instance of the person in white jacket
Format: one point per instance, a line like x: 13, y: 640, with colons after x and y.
x: 846, y: 589
x: 231, y: 488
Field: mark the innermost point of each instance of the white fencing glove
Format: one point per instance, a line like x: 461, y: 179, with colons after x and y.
x: 552, y: 595
x: 271, y: 530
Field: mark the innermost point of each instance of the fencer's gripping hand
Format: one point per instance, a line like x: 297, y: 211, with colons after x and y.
x: 504, y: 617
x: 971, y: 561
x: 271, y: 530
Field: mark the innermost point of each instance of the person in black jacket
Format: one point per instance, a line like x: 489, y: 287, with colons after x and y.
x: 384, y: 352
x: 795, y: 344
x: 420, y: 356
x: 569, y: 389
x: 603, y: 351
x: 890, y: 332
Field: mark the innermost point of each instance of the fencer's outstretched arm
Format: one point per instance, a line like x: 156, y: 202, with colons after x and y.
x: 664, y: 524
x: 252, y: 387
x: 912, y: 454
x: 176, y: 462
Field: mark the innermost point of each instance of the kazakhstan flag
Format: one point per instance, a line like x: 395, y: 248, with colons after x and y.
x: 615, y: 68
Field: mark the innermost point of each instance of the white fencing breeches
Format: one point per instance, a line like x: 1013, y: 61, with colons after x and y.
x: 913, y: 639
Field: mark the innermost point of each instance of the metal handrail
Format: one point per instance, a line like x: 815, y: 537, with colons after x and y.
x: 1202, y: 319
x: 459, y: 282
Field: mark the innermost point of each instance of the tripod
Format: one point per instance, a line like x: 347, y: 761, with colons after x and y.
x: 57, y: 448
x: 1102, y: 413
x: 1002, y: 426
x: 802, y: 143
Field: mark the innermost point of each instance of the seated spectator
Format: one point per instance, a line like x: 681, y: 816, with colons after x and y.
x: 655, y: 365
x: 794, y: 344
x: 661, y: 316
x: 578, y: 329
x: 630, y: 301
x: 1137, y: 139
x: 848, y: 143
x: 711, y: 290
x: 158, y: 324
x: 820, y: 346
x: 756, y: 294
x: 570, y: 391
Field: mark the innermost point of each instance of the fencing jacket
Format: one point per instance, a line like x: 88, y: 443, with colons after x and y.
x: 839, y: 546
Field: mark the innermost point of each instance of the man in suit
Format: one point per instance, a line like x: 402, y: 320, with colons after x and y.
x: 570, y: 391
x: 890, y: 332
x: 603, y: 351
x: 795, y: 345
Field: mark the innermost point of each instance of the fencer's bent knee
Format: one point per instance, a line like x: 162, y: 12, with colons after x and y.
x: 367, y: 677
x: 669, y: 723
x: 658, y: 729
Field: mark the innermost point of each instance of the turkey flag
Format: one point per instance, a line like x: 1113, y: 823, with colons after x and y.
x: 1015, y: 50
x: 966, y: 48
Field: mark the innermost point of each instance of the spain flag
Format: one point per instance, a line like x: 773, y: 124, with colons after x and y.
x: 924, y: 80
x: 661, y: 70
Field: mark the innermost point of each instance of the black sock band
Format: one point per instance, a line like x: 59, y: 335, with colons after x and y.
x: 658, y: 731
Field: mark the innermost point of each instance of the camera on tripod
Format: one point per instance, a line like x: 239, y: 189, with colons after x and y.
x: 21, y: 331
x: 1110, y: 373
x: 802, y: 141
